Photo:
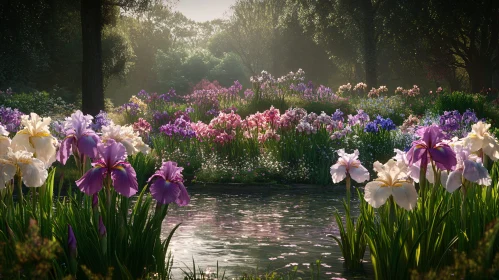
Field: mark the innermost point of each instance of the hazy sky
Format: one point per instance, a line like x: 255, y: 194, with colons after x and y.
x: 203, y: 10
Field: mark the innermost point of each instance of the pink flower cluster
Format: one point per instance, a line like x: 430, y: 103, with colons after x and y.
x: 292, y: 117
x: 221, y: 129
x: 263, y: 125
x: 142, y: 127
x: 414, y: 91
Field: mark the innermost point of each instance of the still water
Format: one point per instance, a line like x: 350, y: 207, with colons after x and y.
x: 272, y: 228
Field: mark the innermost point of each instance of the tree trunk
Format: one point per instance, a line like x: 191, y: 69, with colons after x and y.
x: 369, y: 44
x: 92, y: 78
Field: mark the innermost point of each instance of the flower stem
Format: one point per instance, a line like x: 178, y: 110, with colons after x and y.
x: 21, y: 198
x: 348, y: 183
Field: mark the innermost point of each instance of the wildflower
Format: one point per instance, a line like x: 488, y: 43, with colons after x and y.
x: 430, y: 146
x: 480, y: 139
x: 110, y: 164
x: 167, y: 185
x: 32, y: 170
x: 391, y: 181
x: 35, y: 138
x: 349, y: 164
x: 80, y: 139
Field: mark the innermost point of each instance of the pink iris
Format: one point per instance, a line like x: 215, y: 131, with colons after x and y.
x: 431, y: 147
x: 111, y: 163
x: 167, y: 185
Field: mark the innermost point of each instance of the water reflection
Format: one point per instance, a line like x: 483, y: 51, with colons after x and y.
x: 264, y: 227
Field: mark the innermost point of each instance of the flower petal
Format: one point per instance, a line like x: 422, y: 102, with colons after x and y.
x: 4, y: 144
x: 165, y: 192
x: 7, y: 172
x: 359, y: 174
x: 124, y: 179
x: 34, y: 173
x: 444, y: 156
x: 454, y: 180
x: 491, y: 147
x: 44, y: 148
x: 476, y: 172
x: 375, y: 194
x: 65, y: 149
x: 92, y: 181
x: 183, y: 198
x: 338, y: 172
x: 405, y: 196
x: 21, y: 142
x: 87, y: 145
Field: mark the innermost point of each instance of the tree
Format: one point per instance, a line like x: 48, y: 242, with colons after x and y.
x: 253, y: 31
x: 92, y: 14
x: 337, y: 23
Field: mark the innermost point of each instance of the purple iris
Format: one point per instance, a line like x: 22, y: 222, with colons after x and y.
x: 167, y: 185
x: 338, y: 115
x: 80, y: 139
x: 430, y: 146
x: 111, y: 163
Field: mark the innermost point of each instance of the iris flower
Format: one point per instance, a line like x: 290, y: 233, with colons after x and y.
x: 469, y: 167
x: 349, y: 164
x: 111, y: 163
x: 80, y: 139
x: 430, y: 146
x: 167, y: 185
x: 391, y: 181
x: 480, y: 139
x: 126, y: 136
x: 35, y: 138
x: 32, y: 170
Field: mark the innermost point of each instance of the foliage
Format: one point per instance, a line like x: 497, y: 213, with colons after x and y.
x: 461, y: 101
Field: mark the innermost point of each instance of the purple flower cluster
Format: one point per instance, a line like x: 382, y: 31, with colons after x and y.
x: 160, y: 118
x: 10, y: 118
x: 455, y: 124
x: 338, y: 115
x: 248, y: 94
x: 361, y: 118
x: 100, y: 120
x: 167, y: 97
x: 235, y: 88
x: 130, y: 108
x: 380, y: 123
x: 181, y: 127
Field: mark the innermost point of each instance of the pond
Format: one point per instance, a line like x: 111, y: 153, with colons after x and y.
x: 272, y: 228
